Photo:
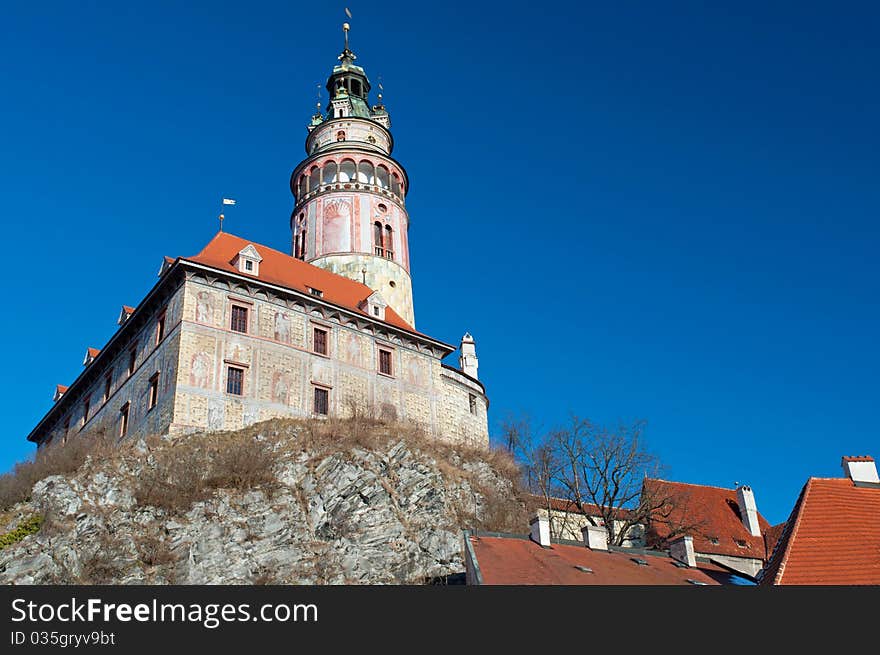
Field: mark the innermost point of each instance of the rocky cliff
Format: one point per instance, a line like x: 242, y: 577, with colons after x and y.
x: 283, y: 502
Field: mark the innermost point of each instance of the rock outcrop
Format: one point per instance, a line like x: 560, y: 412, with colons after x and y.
x: 387, y: 509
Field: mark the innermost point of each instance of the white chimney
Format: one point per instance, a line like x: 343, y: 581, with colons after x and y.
x: 595, y: 537
x: 745, y: 497
x: 682, y: 549
x: 862, y: 468
x: 467, y: 361
x: 540, y: 528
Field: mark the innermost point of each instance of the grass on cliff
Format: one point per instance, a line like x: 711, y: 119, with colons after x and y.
x: 177, y: 472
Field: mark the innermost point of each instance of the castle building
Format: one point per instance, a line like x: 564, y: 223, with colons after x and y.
x: 241, y: 332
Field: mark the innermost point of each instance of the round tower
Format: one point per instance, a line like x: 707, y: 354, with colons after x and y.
x: 349, y: 215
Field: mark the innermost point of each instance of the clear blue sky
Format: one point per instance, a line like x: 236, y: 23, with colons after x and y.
x: 668, y: 213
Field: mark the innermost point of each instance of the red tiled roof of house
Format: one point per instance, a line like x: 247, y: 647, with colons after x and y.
x: 831, y: 538
x: 127, y: 309
x: 93, y: 352
x: 771, y: 537
x: 60, y: 388
x: 520, y: 561
x: 289, y: 272
x: 714, y: 513
x: 857, y: 458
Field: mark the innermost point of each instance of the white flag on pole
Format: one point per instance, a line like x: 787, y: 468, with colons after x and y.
x: 228, y: 201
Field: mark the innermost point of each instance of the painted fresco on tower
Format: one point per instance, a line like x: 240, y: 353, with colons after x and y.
x: 337, y: 225
x: 280, y: 388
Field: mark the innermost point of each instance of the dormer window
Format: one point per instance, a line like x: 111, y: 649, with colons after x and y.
x: 248, y: 260
x: 91, y: 353
x: 316, y: 292
x: 125, y: 314
x: 375, y: 306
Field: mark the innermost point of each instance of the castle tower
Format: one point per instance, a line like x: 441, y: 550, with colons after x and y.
x: 349, y: 215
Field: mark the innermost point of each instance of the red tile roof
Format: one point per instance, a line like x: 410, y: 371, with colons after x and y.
x: 715, y: 513
x: 60, y: 388
x: 127, y: 309
x: 858, y: 458
x: 832, y: 537
x: 511, y: 560
x: 286, y: 271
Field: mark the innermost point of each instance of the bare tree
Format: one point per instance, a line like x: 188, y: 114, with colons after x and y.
x: 597, y: 473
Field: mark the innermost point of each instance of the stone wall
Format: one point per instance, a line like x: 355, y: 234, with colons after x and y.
x: 281, y: 369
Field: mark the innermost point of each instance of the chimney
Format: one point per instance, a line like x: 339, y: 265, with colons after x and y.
x: 861, y: 468
x: 682, y: 549
x: 595, y: 537
x: 467, y: 361
x: 745, y: 497
x: 540, y: 528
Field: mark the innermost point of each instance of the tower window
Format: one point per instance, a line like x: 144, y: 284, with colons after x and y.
x: 123, y: 419
x: 239, y: 321
x: 86, y: 405
x: 153, y: 392
x: 389, y: 242
x: 385, y: 361
x: 234, y: 380
x: 377, y: 239
x: 472, y: 399
x: 108, y: 383
x: 340, y: 135
x: 319, y: 341
x: 322, y: 401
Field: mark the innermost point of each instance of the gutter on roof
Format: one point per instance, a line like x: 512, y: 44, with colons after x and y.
x: 472, y: 556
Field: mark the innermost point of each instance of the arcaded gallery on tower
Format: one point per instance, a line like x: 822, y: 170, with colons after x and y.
x: 241, y: 333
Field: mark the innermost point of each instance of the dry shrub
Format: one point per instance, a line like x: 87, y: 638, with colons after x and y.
x: 153, y: 551
x: 53, y: 459
x: 189, y: 469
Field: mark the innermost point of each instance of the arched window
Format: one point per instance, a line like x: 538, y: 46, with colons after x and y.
x: 330, y: 173
x: 340, y: 135
x: 365, y: 172
x: 303, y: 186
x: 389, y: 242
x: 377, y: 239
x: 395, y: 184
x: 299, y: 239
x: 382, y: 175
x: 314, y: 178
x: 347, y: 171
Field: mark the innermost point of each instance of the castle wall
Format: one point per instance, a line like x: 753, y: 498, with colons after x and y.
x: 151, y: 358
x: 281, y: 370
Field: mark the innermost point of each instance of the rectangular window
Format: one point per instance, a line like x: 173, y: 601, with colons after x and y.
x: 473, y: 402
x: 316, y: 292
x: 234, y: 380
x: 66, y: 430
x: 160, y: 328
x: 123, y: 419
x: 132, y: 359
x: 108, y: 383
x: 239, y: 319
x: 154, y: 392
x: 248, y: 265
x: 385, y: 361
x: 86, y: 406
x: 322, y: 401
x: 319, y: 342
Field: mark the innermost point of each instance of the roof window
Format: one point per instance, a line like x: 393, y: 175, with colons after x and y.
x: 639, y: 561
x: 316, y: 292
x: 699, y: 583
x: 248, y: 260
x: 583, y: 569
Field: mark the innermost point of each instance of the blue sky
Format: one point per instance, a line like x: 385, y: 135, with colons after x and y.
x: 639, y: 212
